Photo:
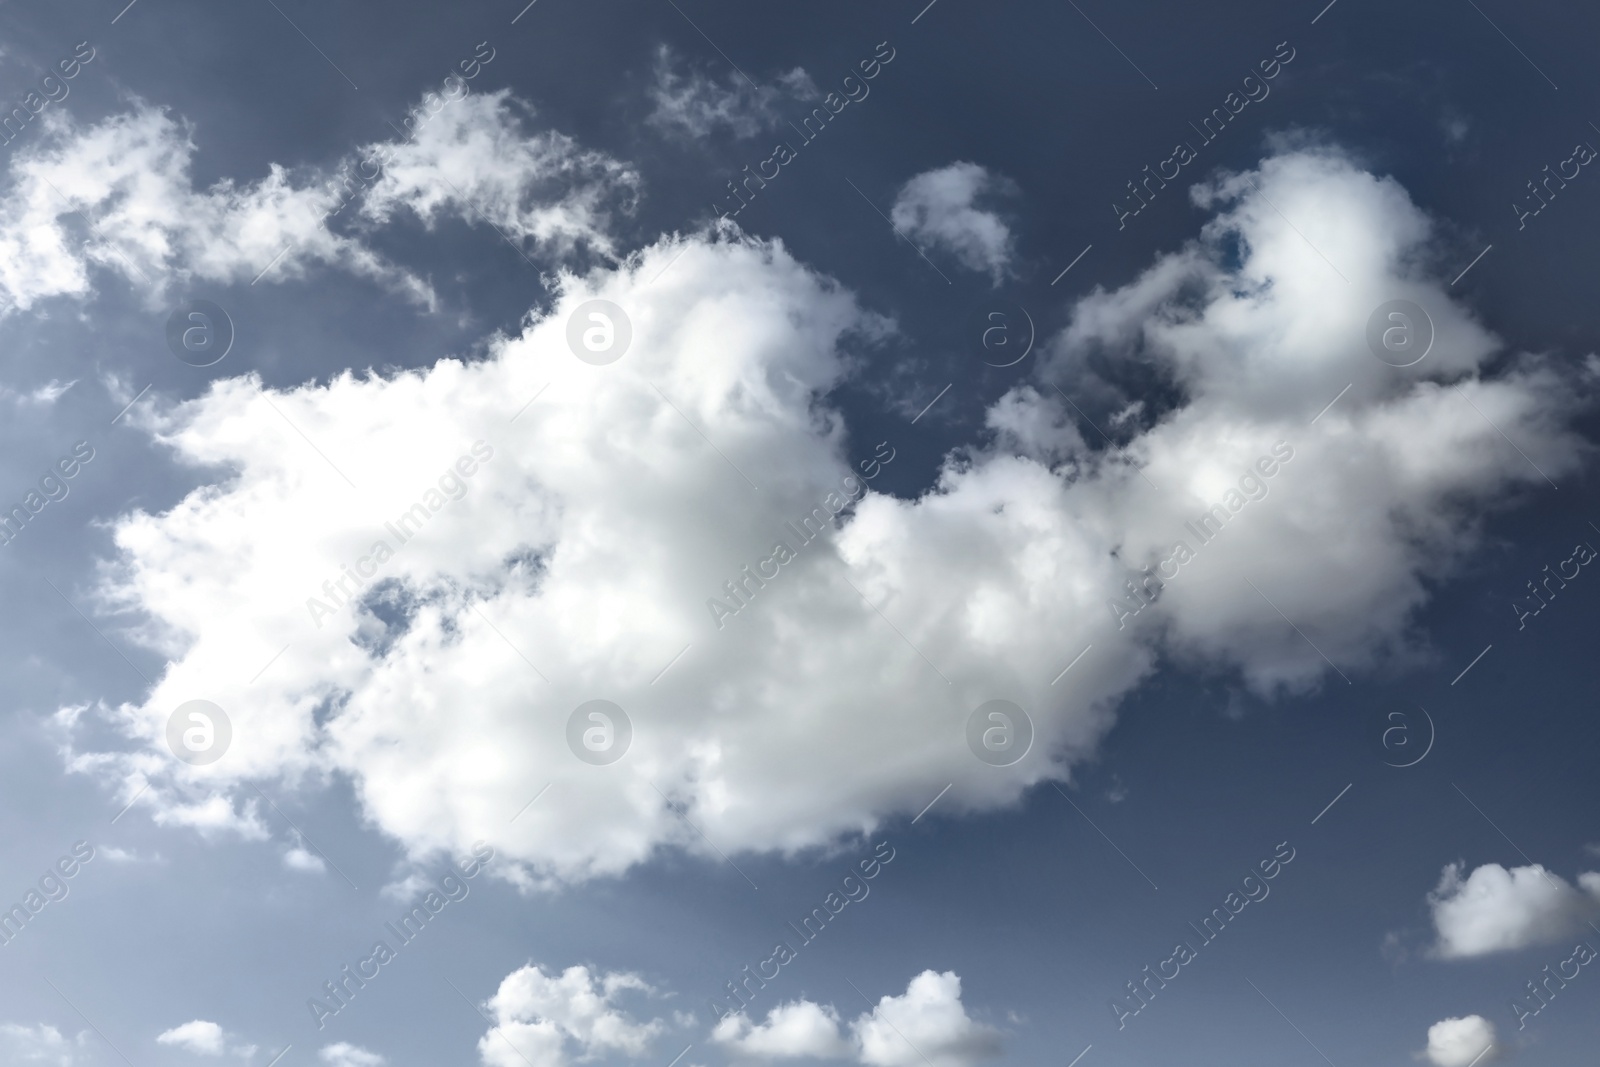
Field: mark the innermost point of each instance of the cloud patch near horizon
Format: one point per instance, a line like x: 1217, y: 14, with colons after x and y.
x: 927, y: 1024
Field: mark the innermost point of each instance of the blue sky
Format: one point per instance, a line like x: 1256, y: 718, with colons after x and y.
x: 649, y: 437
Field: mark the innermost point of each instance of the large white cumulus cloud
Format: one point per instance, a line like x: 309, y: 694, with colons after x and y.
x: 578, y: 562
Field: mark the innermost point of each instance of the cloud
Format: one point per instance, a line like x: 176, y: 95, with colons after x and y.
x: 42, y: 396
x: 199, y: 1037
x: 124, y: 855
x: 130, y: 177
x: 937, y: 207
x: 204, y: 1038
x: 120, y: 196
x: 1460, y: 1042
x: 344, y: 1054
x: 1498, y: 910
x: 1251, y: 328
x: 298, y: 858
x: 689, y: 102
x: 585, y: 555
x: 475, y: 160
x: 798, y: 1029
x: 925, y: 1025
x: 538, y: 1016
x: 42, y: 1044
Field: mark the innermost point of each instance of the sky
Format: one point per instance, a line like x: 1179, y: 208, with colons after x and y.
x: 901, y: 534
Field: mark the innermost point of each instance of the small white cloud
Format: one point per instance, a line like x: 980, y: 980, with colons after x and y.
x: 792, y: 1031
x: 41, y: 1044
x: 113, y: 854
x: 344, y: 1054
x: 938, y: 207
x: 1460, y: 1042
x: 690, y: 102
x: 299, y: 858
x: 537, y: 1016
x: 926, y: 1025
x: 204, y: 1038
x: 51, y: 391
x: 200, y: 1037
x: 476, y: 160
x: 1498, y: 910
x: 40, y: 396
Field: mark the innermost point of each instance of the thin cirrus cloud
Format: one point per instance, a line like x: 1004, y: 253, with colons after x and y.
x: 686, y: 101
x: 126, y: 183
x: 941, y: 208
x: 1494, y: 909
x: 541, y: 584
x: 40, y: 396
